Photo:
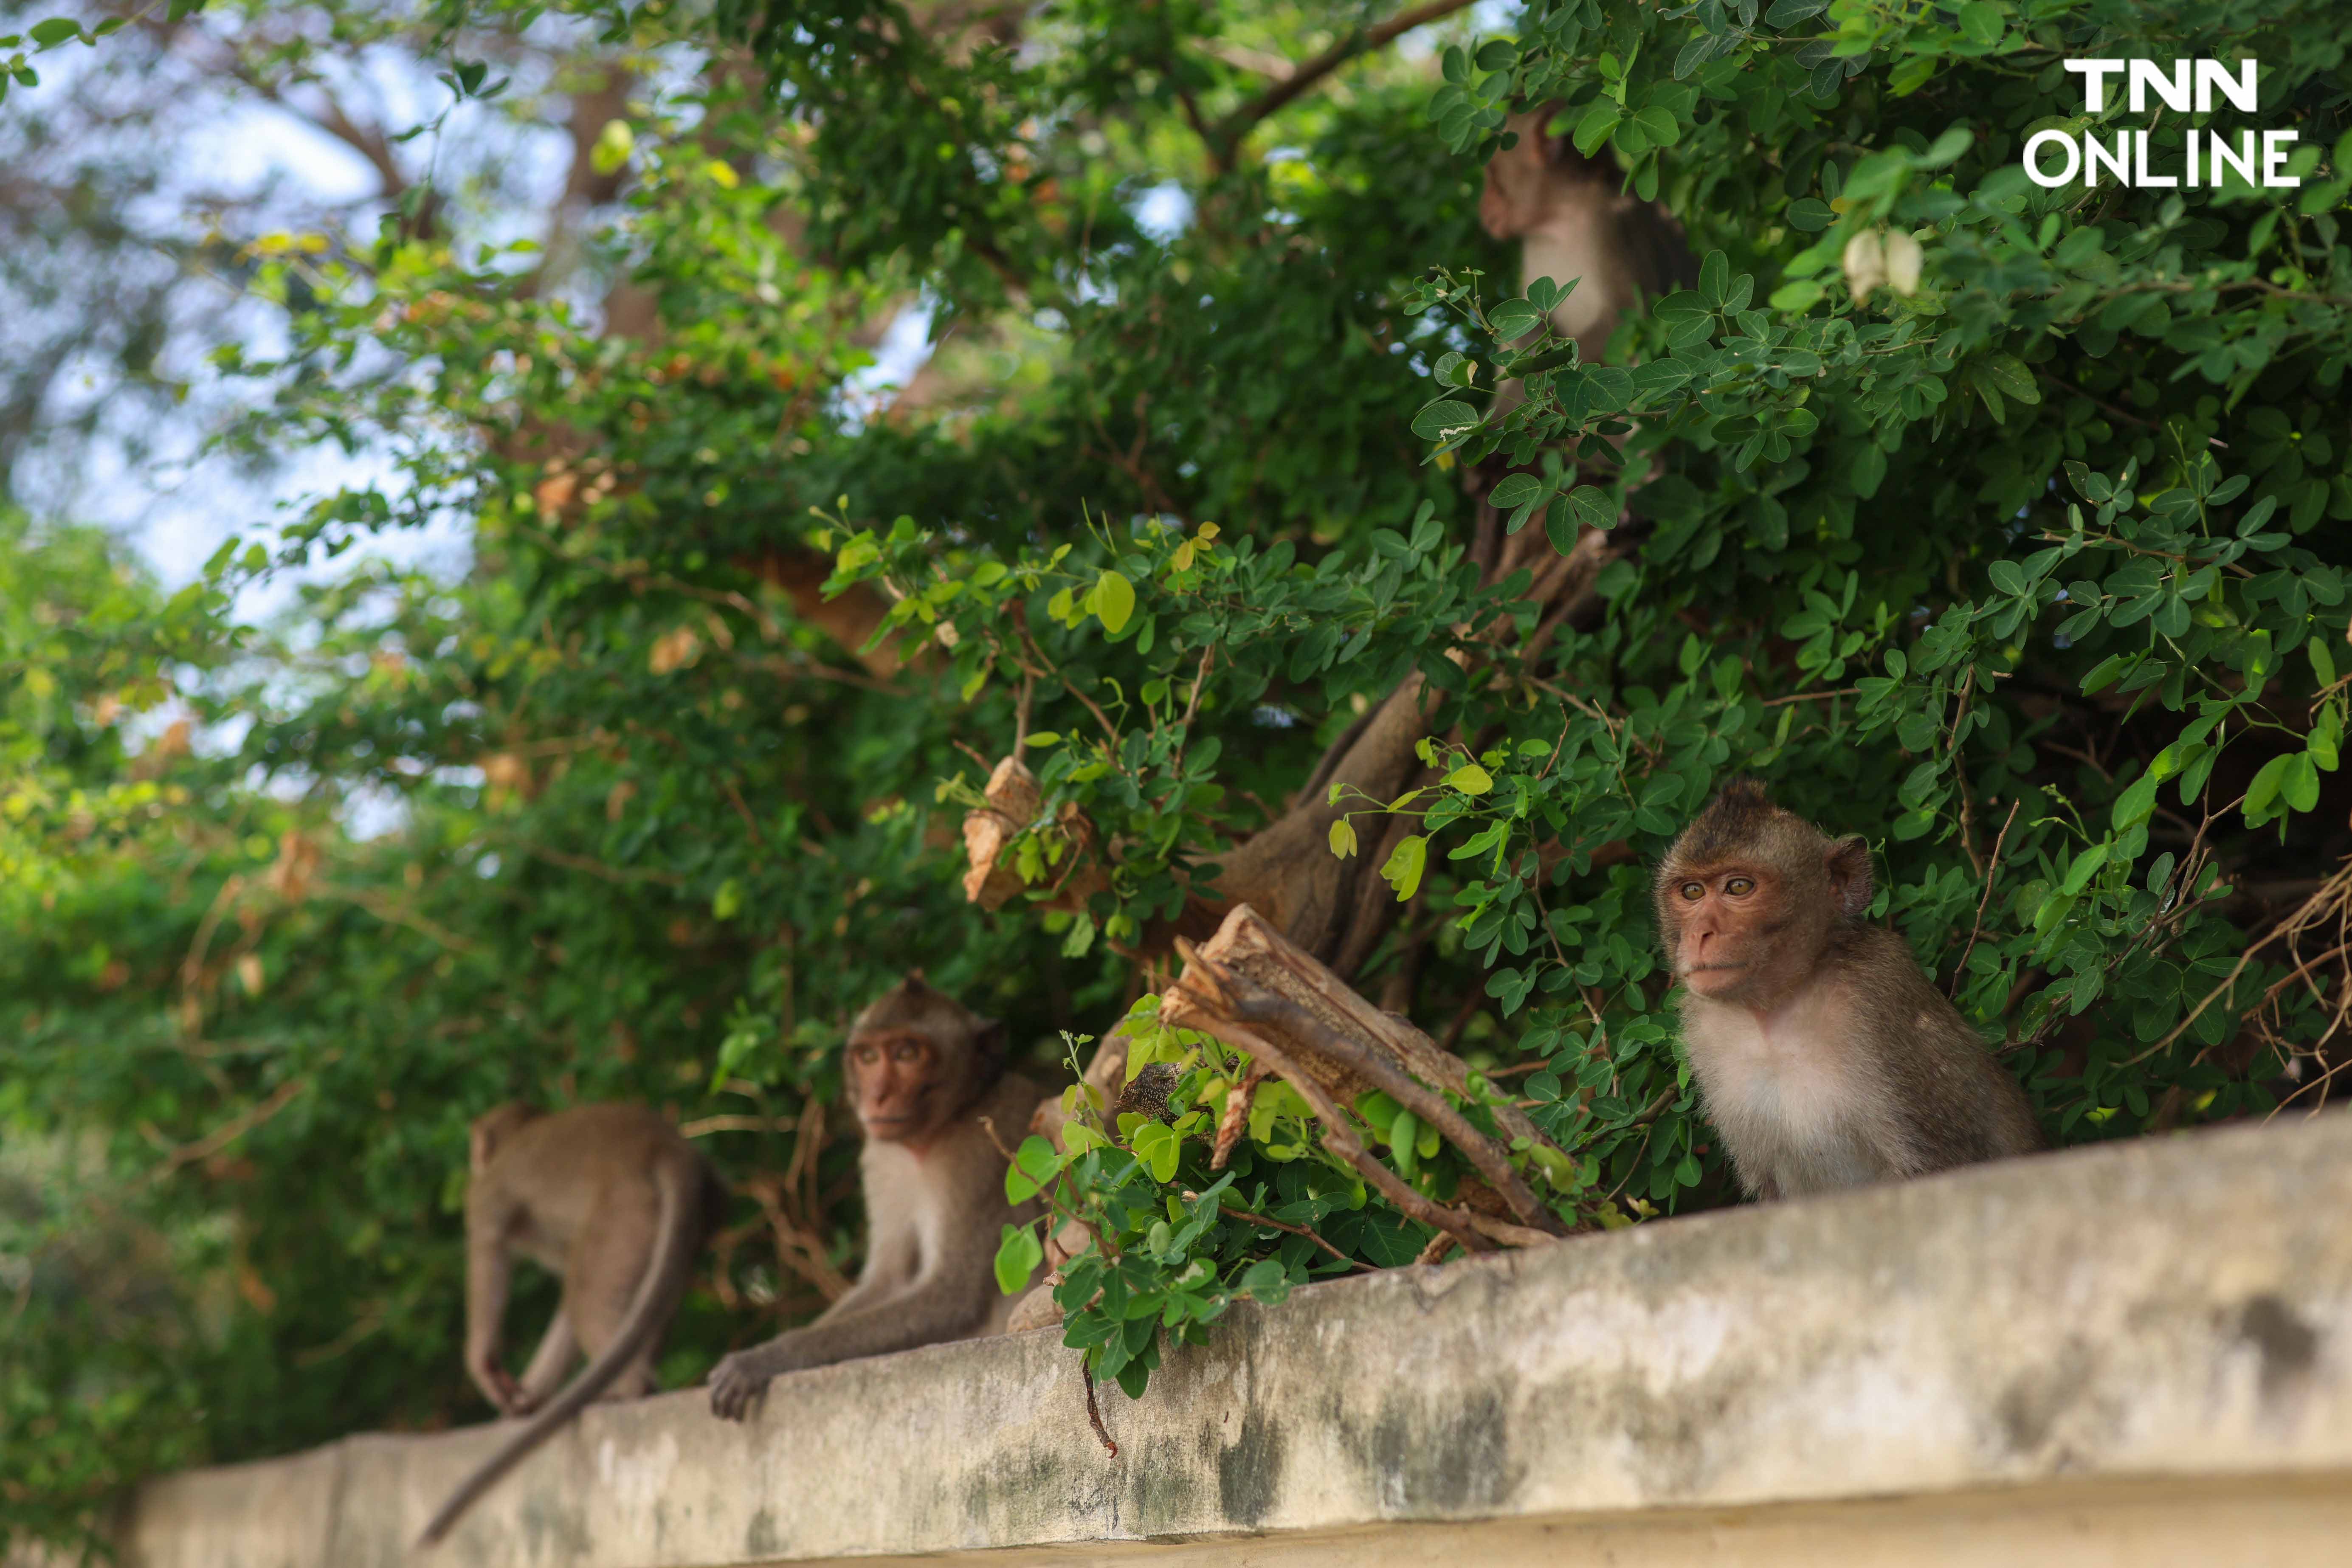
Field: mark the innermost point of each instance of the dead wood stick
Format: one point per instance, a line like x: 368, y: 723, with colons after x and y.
x: 1341, y: 1138
x: 1271, y: 998
x: 1509, y: 1234
x: 1246, y: 932
x: 1269, y: 1009
x: 1236, y: 1114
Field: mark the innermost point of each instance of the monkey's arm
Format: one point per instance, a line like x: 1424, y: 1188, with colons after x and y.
x: 944, y: 1305
x: 488, y: 1272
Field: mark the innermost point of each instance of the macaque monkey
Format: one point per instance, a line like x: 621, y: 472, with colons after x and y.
x: 923, y: 1073
x: 1575, y: 223
x: 613, y: 1199
x: 1823, y: 1057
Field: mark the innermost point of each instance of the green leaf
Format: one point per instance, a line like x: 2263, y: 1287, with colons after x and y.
x: 1443, y: 420
x: 1406, y: 863
x: 1592, y: 507
x: 2085, y: 866
x: 2007, y: 374
x: 1035, y: 1163
x: 1659, y: 125
x: 1264, y: 1276
x: 1514, y: 491
x: 1592, y: 131
x: 1157, y: 1145
x: 1112, y: 600
x: 725, y: 902
x: 612, y: 147
x: 1343, y: 839
x: 1405, y: 1143
x: 56, y: 30
x: 1017, y: 1257
x: 1796, y: 297
x: 2299, y: 784
x: 1512, y: 319
x: 1470, y: 779
x: 1981, y: 22
x: 2265, y: 788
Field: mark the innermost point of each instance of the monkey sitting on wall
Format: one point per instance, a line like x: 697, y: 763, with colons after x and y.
x: 613, y: 1199
x: 1823, y: 1057
x: 923, y: 1072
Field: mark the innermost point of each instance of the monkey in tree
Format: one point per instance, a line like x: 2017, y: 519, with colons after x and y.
x: 613, y: 1199
x: 1823, y: 1057
x: 927, y: 1078
x: 1576, y: 224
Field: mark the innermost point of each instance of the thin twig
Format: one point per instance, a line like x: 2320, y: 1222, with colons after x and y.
x: 1048, y: 1191
x: 1813, y: 696
x: 1299, y: 1230
x: 1094, y: 1411
x: 2294, y: 922
x: 213, y: 1143
x: 735, y: 799
x: 623, y: 876
x: 1228, y: 134
x: 2002, y: 838
x: 393, y: 912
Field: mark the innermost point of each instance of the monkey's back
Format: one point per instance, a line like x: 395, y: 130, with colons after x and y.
x: 556, y: 1170
x: 1957, y: 1103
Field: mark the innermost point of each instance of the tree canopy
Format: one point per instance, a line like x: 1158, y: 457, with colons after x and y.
x: 1997, y: 522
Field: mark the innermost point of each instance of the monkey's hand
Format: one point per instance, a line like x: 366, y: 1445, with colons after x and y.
x: 739, y: 1380
x: 496, y: 1384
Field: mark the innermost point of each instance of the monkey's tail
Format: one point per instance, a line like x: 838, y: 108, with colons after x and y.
x: 659, y: 1293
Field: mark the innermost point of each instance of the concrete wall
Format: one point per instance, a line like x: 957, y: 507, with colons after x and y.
x: 2141, y: 1353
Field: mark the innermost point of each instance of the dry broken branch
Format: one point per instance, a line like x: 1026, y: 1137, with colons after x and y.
x: 1254, y: 988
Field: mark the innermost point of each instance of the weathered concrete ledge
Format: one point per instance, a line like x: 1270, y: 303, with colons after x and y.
x: 2141, y: 1352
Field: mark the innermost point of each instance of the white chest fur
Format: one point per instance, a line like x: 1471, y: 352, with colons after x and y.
x: 1789, y: 1094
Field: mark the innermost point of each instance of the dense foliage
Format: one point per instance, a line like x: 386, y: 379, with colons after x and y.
x: 2028, y: 569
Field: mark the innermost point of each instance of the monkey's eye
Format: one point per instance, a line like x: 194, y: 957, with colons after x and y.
x: 1694, y: 892
x: 1739, y: 886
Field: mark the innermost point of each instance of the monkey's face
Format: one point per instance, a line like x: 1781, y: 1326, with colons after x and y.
x: 1741, y: 931
x: 493, y: 1128
x: 899, y: 1084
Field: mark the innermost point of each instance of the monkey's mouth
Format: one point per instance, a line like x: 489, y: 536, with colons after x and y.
x: 1713, y: 968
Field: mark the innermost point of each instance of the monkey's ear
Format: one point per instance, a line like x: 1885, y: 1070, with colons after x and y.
x: 988, y: 1040
x: 1848, y: 862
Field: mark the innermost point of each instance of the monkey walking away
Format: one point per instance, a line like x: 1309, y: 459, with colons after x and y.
x: 923, y: 1073
x: 1823, y: 1057
x: 613, y: 1199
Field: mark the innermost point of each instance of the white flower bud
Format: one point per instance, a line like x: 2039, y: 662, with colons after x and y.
x: 1902, y: 258
x: 1866, y: 265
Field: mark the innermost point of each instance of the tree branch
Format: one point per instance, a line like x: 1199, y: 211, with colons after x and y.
x: 1228, y: 134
